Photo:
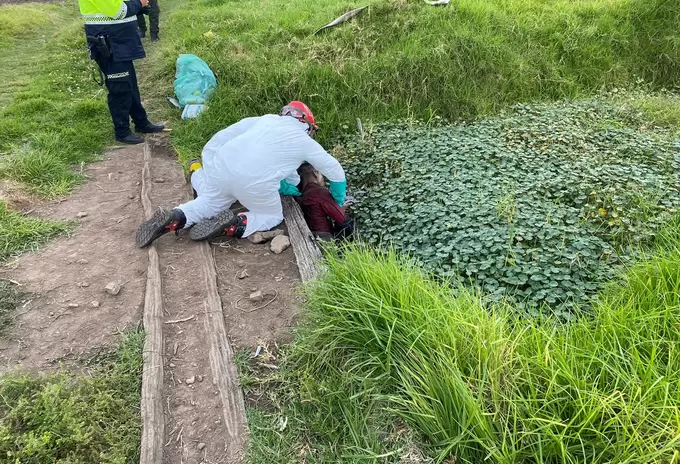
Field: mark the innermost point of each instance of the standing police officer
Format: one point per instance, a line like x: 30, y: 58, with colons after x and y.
x: 113, y: 41
x: 153, y: 10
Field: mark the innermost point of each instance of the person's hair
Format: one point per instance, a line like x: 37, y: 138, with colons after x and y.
x: 307, y: 174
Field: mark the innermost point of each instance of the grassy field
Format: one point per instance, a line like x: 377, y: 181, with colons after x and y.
x: 387, y: 354
x: 63, y: 419
x: 52, y: 114
x: 405, y: 59
x: 390, y: 365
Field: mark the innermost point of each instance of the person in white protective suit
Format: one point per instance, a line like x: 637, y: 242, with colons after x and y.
x: 253, y: 162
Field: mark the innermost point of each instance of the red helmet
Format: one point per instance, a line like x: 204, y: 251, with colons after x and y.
x: 302, y: 113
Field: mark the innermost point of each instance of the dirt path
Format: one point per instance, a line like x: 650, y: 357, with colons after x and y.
x: 69, y: 311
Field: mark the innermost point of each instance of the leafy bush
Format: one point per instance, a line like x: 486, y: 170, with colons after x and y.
x: 540, y: 202
x: 477, y: 382
x: 63, y: 419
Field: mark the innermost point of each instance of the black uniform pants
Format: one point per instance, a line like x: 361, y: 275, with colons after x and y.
x: 124, y: 99
x: 154, y: 12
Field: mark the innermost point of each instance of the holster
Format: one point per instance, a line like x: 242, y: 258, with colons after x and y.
x: 99, y: 47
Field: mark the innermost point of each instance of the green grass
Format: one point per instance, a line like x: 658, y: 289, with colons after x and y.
x: 406, y: 59
x: 53, y: 116
x: 9, y: 299
x: 476, y: 383
x: 62, y: 419
x: 19, y: 233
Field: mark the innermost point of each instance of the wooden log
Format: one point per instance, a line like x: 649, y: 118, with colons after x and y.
x: 222, y: 361
x: 153, y: 420
x: 307, y: 253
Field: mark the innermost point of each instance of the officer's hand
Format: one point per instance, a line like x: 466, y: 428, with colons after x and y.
x: 144, y: 2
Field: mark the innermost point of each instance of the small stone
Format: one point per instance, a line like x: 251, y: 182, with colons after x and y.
x: 82, y: 261
x: 243, y: 274
x: 191, y: 380
x: 84, y: 284
x: 200, y: 378
x: 256, y: 296
x: 51, y: 313
x: 72, y: 305
x: 81, y: 214
x: 261, y: 237
x: 171, y: 365
x: 112, y: 288
x: 160, y: 180
x: 201, y: 446
x: 95, y: 304
x: 279, y: 244
x: 131, y: 197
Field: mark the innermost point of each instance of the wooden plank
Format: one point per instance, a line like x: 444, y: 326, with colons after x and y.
x: 153, y: 420
x: 307, y: 253
x: 222, y: 361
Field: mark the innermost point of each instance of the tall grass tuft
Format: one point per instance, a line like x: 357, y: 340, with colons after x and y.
x: 481, y: 385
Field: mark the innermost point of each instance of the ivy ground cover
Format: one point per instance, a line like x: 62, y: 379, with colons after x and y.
x: 540, y: 203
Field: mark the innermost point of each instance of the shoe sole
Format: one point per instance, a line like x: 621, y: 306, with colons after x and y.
x: 213, y: 227
x: 129, y: 142
x: 155, y: 227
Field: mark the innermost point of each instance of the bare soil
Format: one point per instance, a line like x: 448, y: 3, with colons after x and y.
x: 68, y: 311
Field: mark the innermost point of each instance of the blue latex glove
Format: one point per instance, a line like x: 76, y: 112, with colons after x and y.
x: 288, y: 190
x: 338, y: 191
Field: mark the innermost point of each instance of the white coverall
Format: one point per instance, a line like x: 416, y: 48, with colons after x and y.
x: 247, y: 161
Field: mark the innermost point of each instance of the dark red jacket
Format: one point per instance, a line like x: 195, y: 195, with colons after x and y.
x: 318, y: 206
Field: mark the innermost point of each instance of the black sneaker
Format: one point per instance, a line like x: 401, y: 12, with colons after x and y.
x: 130, y: 139
x: 161, y: 223
x: 150, y: 128
x: 215, y: 226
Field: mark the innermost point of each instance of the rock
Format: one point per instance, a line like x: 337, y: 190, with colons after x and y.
x: 279, y: 244
x: 95, y: 304
x: 256, y: 296
x: 160, y: 180
x: 82, y: 261
x: 243, y: 274
x: 200, y: 378
x: 261, y: 237
x: 51, y: 313
x: 112, y: 288
x: 201, y: 446
x: 81, y: 214
x: 84, y: 284
x: 72, y: 305
x: 131, y: 197
x: 171, y: 365
x: 191, y: 380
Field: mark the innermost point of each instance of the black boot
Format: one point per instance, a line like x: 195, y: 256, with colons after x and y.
x: 161, y: 223
x: 154, y: 37
x: 130, y: 139
x: 224, y: 223
x: 142, y: 33
x: 150, y: 128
